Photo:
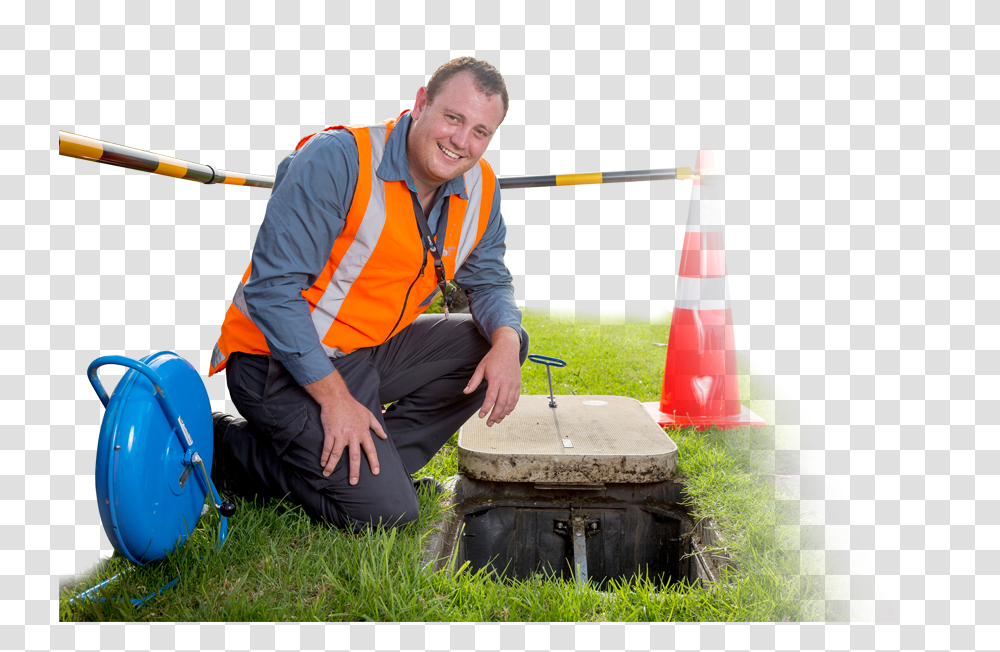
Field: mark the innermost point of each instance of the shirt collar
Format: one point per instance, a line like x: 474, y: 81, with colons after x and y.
x: 395, y: 166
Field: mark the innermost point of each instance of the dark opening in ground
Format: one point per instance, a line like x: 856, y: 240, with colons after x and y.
x: 517, y: 530
x: 622, y: 541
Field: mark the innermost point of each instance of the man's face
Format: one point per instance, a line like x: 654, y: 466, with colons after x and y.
x: 449, y: 136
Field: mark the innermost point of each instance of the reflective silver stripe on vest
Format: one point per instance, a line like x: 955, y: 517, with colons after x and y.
x: 359, y: 251
x: 241, y: 301
x: 702, y: 293
x: 332, y: 352
x: 470, y: 224
x: 217, y: 357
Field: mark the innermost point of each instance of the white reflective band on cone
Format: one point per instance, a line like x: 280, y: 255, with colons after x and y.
x: 708, y: 209
x: 702, y: 293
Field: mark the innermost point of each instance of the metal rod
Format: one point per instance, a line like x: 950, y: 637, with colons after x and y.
x: 552, y: 395
x: 225, y: 507
x: 196, y: 459
x: 580, y: 549
x: 102, y: 151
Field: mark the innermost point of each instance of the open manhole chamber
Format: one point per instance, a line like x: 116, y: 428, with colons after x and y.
x: 585, y: 489
x: 518, y: 530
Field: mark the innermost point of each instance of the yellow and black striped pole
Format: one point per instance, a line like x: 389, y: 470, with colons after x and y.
x: 101, y: 151
x: 546, y: 180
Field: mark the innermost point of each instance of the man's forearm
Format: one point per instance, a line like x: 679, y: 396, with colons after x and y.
x: 503, y: 334
x: 329, y: 390
x: 493, y: 307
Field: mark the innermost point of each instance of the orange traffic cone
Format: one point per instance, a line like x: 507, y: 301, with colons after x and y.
x: 700, y: 382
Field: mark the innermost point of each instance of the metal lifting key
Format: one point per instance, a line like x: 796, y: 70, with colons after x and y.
x: 549, y: 363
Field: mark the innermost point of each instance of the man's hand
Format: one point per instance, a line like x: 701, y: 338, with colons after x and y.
x: 346, y: 424
x: 501, y: 368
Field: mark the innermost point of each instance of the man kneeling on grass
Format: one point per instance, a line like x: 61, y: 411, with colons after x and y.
x: 326, y: 326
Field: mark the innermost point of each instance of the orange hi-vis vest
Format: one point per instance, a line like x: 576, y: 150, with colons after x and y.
x: 372, y: 287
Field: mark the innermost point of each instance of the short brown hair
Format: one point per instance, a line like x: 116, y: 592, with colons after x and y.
x: 488, y: 79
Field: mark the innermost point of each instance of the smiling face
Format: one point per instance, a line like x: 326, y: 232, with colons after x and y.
x: 448, y: 137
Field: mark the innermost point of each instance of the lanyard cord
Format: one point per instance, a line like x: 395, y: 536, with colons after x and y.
x: 429, y: 245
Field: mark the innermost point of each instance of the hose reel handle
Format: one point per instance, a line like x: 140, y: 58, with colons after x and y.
x: 225, y: 508
x: 168, y: 407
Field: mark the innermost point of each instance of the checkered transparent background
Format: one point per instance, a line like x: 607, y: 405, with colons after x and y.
x: 861, y: 146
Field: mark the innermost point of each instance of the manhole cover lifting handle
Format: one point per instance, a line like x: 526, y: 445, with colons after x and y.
x: 549, y: 363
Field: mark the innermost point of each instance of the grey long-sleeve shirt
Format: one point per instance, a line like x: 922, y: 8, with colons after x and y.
x: 312, y: 194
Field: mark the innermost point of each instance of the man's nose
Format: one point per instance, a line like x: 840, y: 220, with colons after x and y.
x: 460, y: 137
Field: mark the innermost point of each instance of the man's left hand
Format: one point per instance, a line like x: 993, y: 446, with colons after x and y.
x: 501, y: 368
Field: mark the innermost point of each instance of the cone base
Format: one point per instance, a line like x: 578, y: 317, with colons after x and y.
x: 745, y: 418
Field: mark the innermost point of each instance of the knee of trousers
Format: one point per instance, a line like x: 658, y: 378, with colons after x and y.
x: 389, y: 512
x: 524, y: 346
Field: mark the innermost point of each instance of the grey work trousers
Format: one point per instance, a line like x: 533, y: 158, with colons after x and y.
x: 276, y: 451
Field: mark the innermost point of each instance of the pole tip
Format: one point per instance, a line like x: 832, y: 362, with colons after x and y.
x: 707, y: 164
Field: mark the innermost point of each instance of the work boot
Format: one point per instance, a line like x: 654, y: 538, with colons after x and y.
x: 428, y: 483
x: 220, y: 423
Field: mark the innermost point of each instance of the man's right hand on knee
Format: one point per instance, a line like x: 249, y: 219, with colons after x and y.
x: 346, y: 424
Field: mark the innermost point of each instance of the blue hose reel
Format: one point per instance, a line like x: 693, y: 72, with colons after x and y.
x: 154, y: 457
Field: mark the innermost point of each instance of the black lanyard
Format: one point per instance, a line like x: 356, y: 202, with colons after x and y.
x: 425, y: 234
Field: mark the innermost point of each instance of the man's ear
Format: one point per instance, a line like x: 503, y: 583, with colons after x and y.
x: 419, y: 103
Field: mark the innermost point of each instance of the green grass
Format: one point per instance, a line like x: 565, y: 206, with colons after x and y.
x: 278, y: 566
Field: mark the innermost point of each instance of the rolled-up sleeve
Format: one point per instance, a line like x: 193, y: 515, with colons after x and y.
x: 486, y: 280
x: 312, y: 194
